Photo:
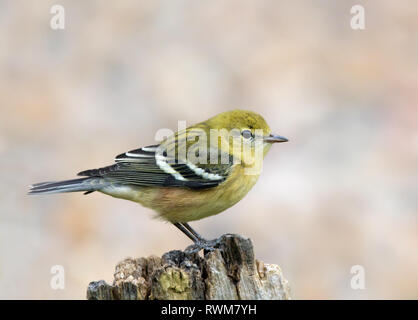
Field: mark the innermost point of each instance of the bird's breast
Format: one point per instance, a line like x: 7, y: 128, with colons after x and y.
x: 183, y: 204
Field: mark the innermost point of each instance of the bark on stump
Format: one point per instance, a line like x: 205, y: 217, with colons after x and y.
x: 228, y: 272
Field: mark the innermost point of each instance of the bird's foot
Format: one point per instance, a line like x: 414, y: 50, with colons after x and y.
x: 203, y: 244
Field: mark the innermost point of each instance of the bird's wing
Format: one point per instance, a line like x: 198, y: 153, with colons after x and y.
x: 148, y: 166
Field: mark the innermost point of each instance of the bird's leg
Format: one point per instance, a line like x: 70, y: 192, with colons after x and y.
x: 186, y: 232
x: 197, y: 246
x: 200, y: 243
x: 198, y: 236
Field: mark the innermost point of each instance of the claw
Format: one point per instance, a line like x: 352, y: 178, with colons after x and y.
x: 203, y: 244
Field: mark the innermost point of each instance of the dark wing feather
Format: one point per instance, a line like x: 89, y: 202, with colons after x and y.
x: 140, y: 167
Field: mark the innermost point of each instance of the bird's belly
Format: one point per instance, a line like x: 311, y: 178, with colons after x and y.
x: 183, y: 204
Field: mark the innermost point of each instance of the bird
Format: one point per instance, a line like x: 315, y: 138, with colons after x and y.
x: 195, y: 173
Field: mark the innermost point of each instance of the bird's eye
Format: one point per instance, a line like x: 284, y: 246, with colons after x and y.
x: 247, y: 134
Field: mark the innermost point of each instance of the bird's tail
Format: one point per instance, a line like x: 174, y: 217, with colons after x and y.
x: 87, y: 184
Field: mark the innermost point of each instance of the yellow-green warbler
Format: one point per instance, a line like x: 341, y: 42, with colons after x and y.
x: 195, y: 173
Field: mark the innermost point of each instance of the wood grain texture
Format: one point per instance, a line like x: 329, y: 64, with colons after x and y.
x: 228, y: 272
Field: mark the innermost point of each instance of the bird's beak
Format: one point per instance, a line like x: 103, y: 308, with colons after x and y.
x: 273, y: 138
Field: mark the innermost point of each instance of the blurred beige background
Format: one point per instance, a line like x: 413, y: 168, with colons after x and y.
x: 342, y: 192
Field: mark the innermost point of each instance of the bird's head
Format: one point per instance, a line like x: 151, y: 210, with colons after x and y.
x: 245, y: 126
x: 232, y: 137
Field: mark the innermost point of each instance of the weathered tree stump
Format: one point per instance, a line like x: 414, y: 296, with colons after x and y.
x: 228, y: 272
